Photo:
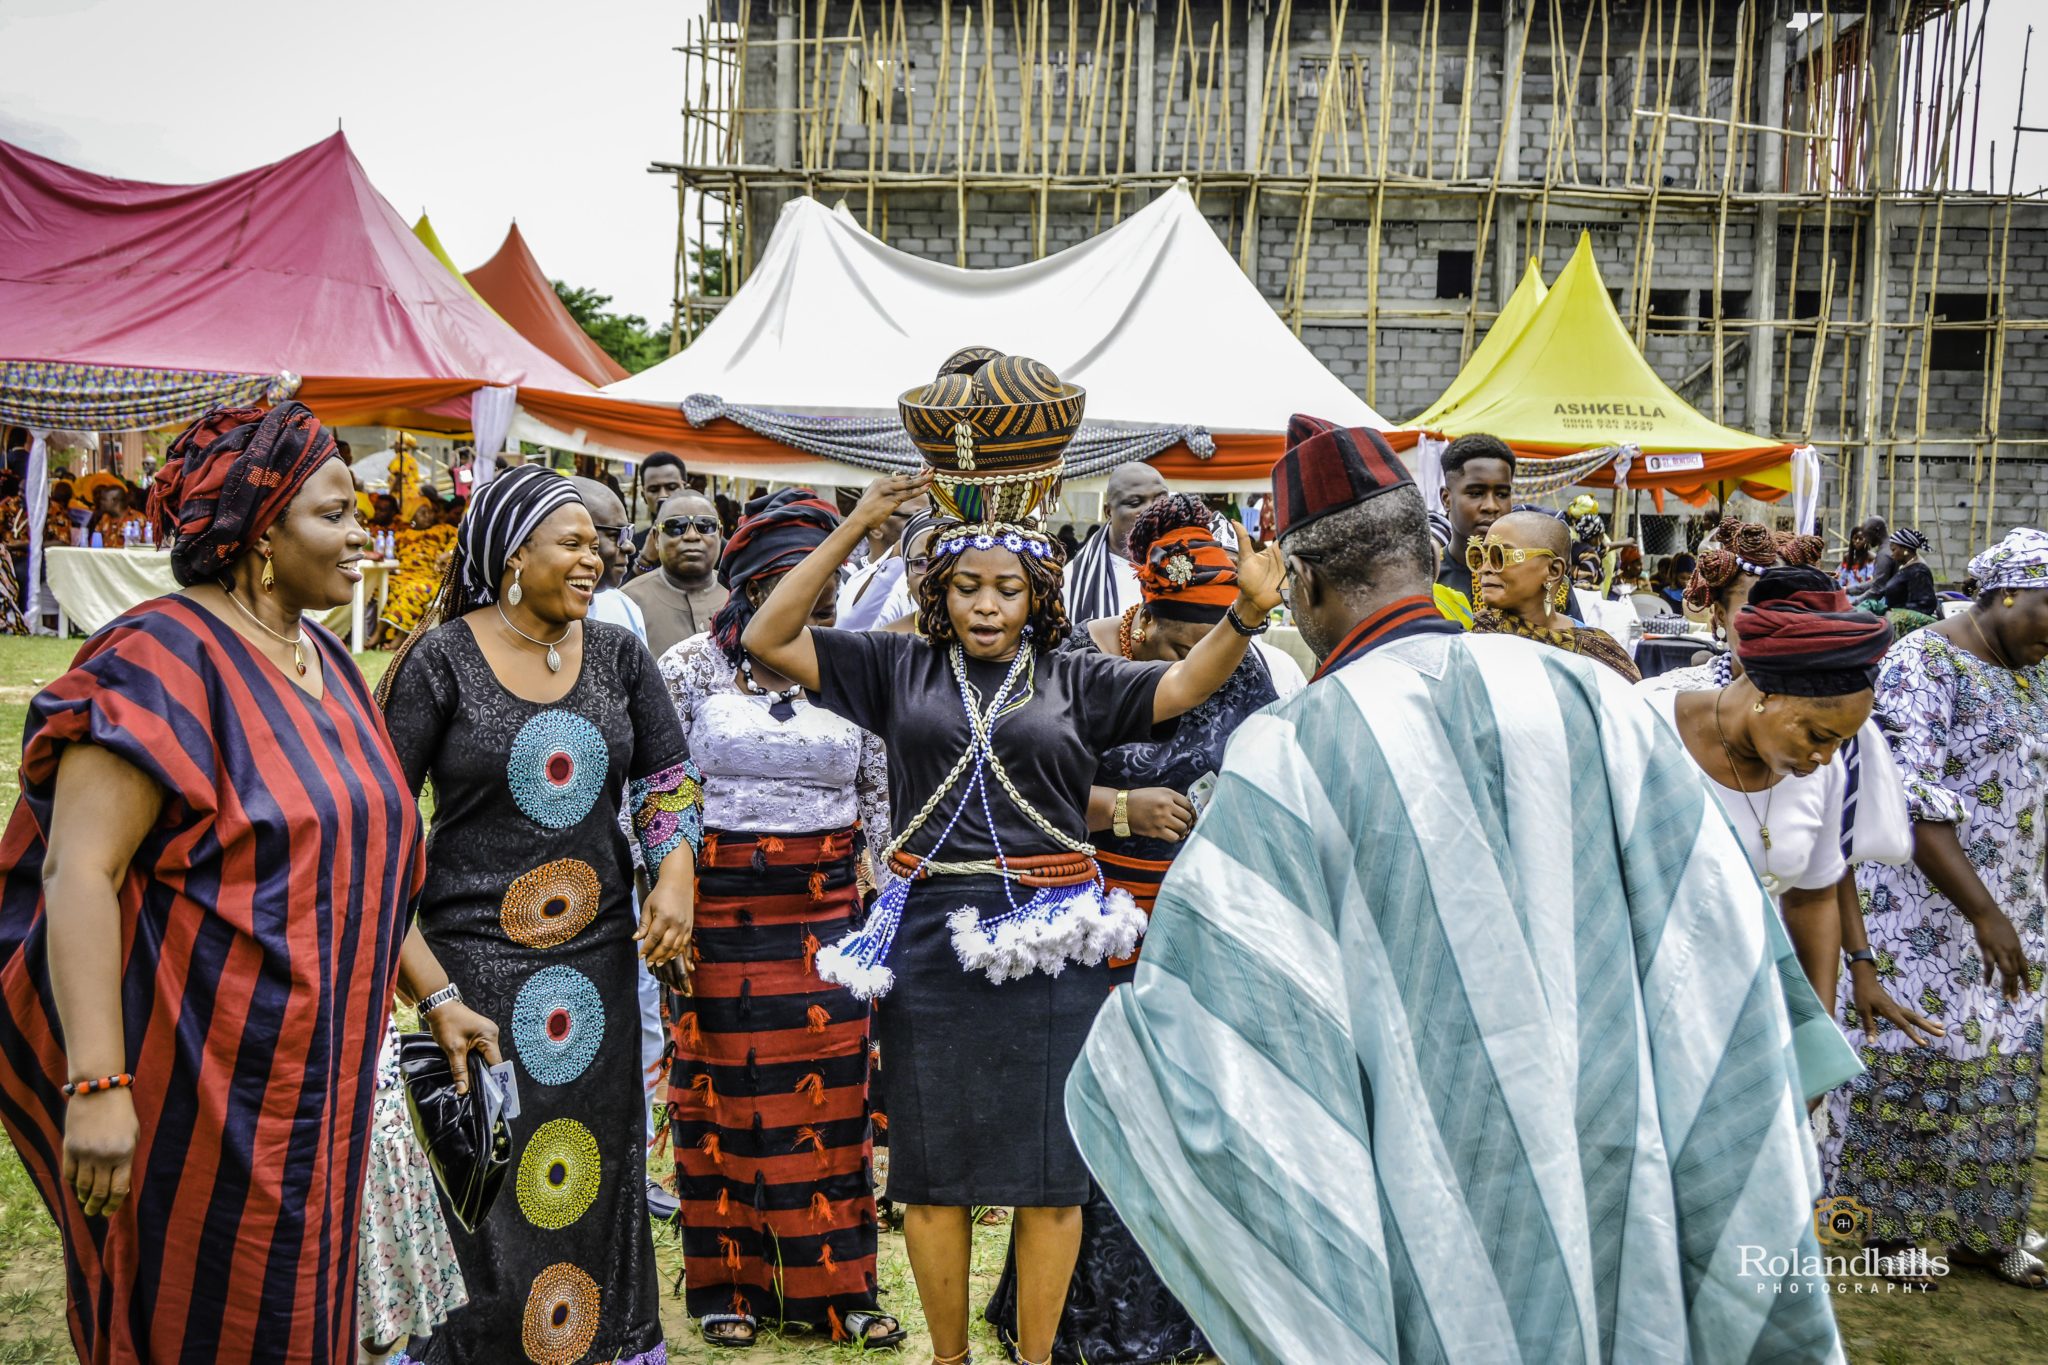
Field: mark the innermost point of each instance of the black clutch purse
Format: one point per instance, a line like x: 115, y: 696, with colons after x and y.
x: 469, y: 1154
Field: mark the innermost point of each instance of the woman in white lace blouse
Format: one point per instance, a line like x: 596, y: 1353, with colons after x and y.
x: 768, y: 1094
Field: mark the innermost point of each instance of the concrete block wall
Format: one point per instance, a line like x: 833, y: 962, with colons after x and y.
x: 1417, y: 357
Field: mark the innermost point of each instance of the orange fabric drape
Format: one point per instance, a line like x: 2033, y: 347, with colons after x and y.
x: 422, y: 404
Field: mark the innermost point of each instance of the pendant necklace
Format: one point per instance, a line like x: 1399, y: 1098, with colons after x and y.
x: 2019, y: 679
x: 297, y: 642
x: 1763, y: 822
x: 554, y: 655
x: 781, y: 705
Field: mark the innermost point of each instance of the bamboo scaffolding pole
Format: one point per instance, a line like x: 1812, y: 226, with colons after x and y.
x: 960, y: 144
x: 1511, y: 91
x: 1464, y: 163
x: 1105, y: 23
x: 1180, y: 22
x: 929, y: 161
x: 1067, y: 104
x: 1384, y: 131
x: 1302, y: 230
x: 1628, y: 174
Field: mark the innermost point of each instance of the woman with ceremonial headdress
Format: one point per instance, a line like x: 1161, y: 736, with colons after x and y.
x: 207, y: 881
x: 768, y: 1105
x: 534, y: 727
x: 1142, y: 807
x: 996, y: 938
x: 1523, y: 579
x: 1938, y: 1142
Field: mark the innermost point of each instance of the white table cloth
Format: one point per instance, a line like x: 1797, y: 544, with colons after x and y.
x: 92, y: 587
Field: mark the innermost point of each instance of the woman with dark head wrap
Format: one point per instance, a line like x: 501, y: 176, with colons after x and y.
x: 770, y: 1057
x: 1766, y: 744
x: 1938, y: 1142
x: 207, y: 878
x: 1143, y: 805
x: 536, y: 727
x: 1873, y: 817
x: 1907, y: 596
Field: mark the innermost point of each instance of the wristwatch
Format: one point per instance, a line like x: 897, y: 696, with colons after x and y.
x: 1861, y: 955
x: 1120, y: 819
x: 446, y: 995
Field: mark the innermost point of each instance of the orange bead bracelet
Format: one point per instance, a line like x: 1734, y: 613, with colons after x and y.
x: 120, y: 1082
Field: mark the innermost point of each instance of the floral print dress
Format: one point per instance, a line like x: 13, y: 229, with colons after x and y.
x: 407, y: 1278
x: 1938, y: 1141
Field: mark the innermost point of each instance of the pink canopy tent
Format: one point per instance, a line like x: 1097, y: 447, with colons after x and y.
x: 127, y: 306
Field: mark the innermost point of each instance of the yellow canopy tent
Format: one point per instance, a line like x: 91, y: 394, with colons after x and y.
x: 1572, y: 390
x: 1499, y: 338
x: 424, y: 230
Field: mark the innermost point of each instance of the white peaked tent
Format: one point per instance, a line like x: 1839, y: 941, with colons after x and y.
x: 1153, y: 317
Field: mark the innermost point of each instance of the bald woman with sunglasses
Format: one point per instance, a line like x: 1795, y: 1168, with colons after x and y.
x: 1521, y: 575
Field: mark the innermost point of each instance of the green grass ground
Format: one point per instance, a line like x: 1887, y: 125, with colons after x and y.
x: 1972, y: 1320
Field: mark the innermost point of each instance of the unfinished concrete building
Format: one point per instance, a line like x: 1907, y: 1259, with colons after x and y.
x: 1791, y: 202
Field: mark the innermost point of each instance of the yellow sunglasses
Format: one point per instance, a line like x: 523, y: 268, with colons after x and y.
x: 1491, y: 554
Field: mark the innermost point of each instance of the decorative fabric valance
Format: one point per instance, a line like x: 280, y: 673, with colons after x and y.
x: 880, y: 444
x: 67, y: 396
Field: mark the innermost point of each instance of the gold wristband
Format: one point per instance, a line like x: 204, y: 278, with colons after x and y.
x: 1120, y: 818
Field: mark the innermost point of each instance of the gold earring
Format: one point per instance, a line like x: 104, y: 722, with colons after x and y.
x: 269, y: 575
x: 2008, y: 599
x: 1758, y: 705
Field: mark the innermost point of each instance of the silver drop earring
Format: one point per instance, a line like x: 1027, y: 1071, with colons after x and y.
x: 516, y: 592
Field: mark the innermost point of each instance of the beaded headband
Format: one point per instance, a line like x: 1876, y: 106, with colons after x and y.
x: 1018, y: 540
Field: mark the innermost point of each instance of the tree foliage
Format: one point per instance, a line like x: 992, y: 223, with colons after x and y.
x: 625, y: 337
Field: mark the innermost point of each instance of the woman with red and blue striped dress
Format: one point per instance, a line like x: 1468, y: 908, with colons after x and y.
x: 206, y: 884
x: 768, y: 1103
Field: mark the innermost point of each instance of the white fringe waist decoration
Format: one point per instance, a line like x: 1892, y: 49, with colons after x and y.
x: 1058, y: 925
x: 859, y: 961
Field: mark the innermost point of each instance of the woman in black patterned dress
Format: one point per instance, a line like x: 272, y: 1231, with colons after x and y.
x: 532, y: 724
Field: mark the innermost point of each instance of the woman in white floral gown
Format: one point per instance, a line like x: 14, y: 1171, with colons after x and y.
x: 1937, y: 1142
x: 407, y: 1278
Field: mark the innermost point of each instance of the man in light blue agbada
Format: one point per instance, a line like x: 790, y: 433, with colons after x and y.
x: 1458, y: 1034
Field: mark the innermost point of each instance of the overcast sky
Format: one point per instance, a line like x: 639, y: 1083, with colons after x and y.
x: 478, y: 113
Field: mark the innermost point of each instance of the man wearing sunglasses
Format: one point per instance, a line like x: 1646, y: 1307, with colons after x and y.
x: 681, y: 594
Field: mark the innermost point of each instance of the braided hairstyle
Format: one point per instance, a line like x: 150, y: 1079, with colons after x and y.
x: 1742, y: 547
x: 1173, y: 512
x: 1046, y: 627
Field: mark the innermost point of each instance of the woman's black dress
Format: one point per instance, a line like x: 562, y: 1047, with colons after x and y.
x: 1118, y: 1310
x: 528, y: 906
x: 1910, y: 589
x: 978, y: 1071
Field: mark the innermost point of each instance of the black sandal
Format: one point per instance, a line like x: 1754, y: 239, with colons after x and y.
x: 857, y: 1325
x: 709, y: 1321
